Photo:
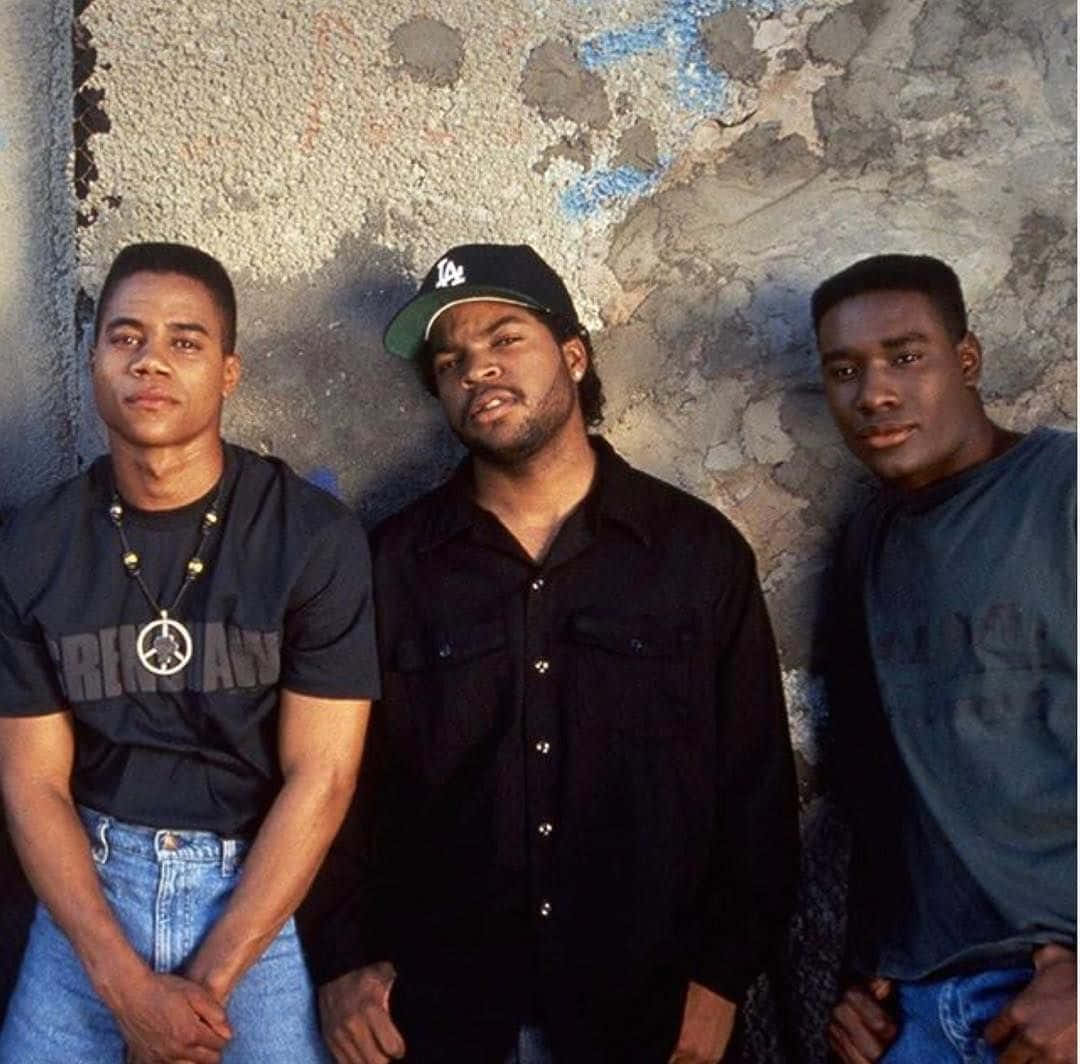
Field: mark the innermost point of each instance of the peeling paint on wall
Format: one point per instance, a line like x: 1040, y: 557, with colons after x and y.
x: 597, y: 189
x: 708, y: 46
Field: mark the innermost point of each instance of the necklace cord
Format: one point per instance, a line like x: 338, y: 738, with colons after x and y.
x: 193, y: 569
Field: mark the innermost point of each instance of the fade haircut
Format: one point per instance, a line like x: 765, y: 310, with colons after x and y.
x: 897, y: 273
x: 562, y: 328
x: 173, y: 258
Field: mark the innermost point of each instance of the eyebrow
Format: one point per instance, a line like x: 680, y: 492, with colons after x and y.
x: 906, y: 338
x: 175, y: 326
x: 890, y: 343
x: 506, y: 319
x: 438, y: 343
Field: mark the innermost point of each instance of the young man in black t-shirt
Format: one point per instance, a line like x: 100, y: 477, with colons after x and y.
x: 186, y: 664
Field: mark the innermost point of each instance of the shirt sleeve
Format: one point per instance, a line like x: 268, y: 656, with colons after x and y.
x: 329, y: 638
x: 29, y: 682
x: 755, y: 859
x: 861, y: 770
x: 342, y: 919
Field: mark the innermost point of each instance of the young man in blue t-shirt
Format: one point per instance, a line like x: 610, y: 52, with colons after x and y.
x: 952, y: 687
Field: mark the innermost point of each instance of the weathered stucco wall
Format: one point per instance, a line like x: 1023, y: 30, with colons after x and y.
x: 692, y: 167
x: 38, y: 397
x: 37, y: 351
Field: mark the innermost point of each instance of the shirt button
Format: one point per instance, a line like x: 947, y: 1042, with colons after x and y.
x: 545, y: 909
x: 541, y: 665
x: 637, y: 646
x: 543, y: 747
x: 445, y: 650
x: 537, y: 583
x: 546, y: 828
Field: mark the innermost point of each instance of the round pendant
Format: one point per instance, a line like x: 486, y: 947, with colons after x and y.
x: 164, y: 646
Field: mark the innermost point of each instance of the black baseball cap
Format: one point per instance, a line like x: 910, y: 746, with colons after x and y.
x: 507, y: 273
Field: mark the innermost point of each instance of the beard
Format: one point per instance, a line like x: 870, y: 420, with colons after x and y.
x: 534, y: 433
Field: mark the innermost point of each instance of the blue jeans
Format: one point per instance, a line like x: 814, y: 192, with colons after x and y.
x: 531, y: 1048
x: 942, y: 1020
x: 166, y: 889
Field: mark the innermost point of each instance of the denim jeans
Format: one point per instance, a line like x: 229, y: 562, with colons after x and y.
x: 942, y: 1020
x: 166, y: 889
x: 531, y: 1048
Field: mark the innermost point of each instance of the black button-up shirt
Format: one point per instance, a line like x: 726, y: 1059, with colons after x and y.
x: 578, y: 792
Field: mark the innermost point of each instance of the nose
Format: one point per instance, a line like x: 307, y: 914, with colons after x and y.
x: 876, y: 390
x: 480, y: 367
x: 149, y: 357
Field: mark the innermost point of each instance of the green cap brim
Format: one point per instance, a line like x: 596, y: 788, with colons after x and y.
x: 405, y: 334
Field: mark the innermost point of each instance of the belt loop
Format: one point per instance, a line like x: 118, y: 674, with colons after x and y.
x: 100, y: 851
x: 228, y: 856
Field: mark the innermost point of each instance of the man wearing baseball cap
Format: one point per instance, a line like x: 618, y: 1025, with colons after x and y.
x: 577, y: 840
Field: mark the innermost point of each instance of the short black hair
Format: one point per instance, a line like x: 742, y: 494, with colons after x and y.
x: 562, y: 328
x: 897, y: 273
x: 174, y: 258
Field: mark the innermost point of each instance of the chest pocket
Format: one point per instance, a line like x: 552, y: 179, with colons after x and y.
x: 448, y: 685
x: 635, y: 673
x: 450, y: 648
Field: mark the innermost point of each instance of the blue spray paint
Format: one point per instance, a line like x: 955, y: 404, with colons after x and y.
x: 698, y: 88
x: 677, y: 32
x: 324, y: 477
x: 597, y: 189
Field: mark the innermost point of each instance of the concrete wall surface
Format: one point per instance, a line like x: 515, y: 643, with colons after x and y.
x: 37, y: 348
x: 693, y: 168
x: 39, y: 397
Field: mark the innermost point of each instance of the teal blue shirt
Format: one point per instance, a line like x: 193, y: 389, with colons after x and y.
x: 969, y: 599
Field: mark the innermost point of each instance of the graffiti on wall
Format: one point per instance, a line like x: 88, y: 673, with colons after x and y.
x: 695, y: 86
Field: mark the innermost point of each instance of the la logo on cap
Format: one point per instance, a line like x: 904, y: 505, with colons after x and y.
x: 449, y: 274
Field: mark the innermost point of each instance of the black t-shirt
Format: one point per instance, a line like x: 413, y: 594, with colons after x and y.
x: 284, y: 602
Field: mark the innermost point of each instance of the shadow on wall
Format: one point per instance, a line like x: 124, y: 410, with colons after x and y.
x: 36, y: 420
x: 320, y: 392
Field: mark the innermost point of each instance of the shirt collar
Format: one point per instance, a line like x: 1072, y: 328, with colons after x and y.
x: 616, y: 492
x: 615, y: 495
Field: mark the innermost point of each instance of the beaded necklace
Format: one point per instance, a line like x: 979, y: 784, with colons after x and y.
x: 164, y: 645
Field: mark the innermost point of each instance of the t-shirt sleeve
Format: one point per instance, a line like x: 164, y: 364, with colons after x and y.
x: 750, y: 888
x: 29, y: 684
x: 329, y: 638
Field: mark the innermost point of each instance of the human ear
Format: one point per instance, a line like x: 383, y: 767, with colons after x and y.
x: 576, y: 357
x: 230, y: 375
x: 969, y: 352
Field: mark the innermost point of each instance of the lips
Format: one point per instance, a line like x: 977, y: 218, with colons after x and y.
x: 885, y: 434
x: 150, y: 399
x: 489, y: 404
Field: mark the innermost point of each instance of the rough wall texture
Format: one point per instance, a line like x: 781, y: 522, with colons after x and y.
x: 37, y: 236
x: 692, y: 167
x: 38, y: 399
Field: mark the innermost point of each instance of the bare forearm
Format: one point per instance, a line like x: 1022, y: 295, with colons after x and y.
x: 279, y: 869
x: 55, y: 854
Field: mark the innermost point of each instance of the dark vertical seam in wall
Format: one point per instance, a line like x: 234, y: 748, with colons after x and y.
x: 88, y: 118
x: 62, y: 235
